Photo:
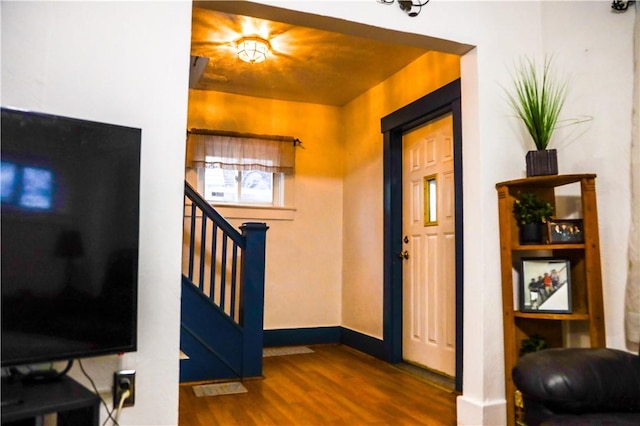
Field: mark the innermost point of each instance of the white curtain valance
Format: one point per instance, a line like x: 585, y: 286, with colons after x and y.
x: 240, y: 151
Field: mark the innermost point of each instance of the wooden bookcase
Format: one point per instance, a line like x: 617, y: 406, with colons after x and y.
x: 585, y: 272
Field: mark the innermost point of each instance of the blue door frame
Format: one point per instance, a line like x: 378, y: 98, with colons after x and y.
x: 442, y: 101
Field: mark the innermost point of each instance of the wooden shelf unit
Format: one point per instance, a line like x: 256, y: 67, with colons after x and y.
x: 586, y: 275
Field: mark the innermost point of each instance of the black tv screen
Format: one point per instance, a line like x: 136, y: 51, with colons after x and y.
x: 70, y: 225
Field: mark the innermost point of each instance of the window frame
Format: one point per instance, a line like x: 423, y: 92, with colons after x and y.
x: 282, y: 208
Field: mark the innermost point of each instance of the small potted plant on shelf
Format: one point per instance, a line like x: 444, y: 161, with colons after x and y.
x: 532, y: 213
x: 537, y: 99
x: 534, y: 343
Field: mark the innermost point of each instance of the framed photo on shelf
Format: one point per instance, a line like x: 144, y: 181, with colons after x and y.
x: 565, y: 231
x: 545, y: 285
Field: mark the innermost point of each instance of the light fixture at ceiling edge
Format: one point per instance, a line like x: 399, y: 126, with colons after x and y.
x: 621, y: 5
x: 411, y: 7
x: 252, y: 49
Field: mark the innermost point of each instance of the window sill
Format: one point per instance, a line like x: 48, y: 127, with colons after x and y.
x: 255, y: 212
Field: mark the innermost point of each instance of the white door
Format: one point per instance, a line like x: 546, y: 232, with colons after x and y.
x: 429, y: 316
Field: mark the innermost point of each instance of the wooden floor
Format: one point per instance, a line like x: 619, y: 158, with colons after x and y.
x: 335, y: 385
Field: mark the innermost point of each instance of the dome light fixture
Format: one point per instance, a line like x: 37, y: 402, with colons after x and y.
x: 252, y: 49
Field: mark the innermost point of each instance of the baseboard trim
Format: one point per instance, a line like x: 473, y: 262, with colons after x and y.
x: 473, y: 412
x: 325, y: 335
x: 362, y: 342
x: 301, y: 336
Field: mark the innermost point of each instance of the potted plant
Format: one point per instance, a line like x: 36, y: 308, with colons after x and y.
x: 537, y: 99
x: 534, y: 343
x: 532, y: 213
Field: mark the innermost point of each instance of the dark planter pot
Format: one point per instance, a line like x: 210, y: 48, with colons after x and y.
x: 531, y: 233
x: 542, y: 162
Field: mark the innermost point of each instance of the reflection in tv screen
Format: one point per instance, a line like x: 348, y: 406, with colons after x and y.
x: 27, y: 187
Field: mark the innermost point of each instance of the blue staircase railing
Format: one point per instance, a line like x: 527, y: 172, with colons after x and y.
x: 222, y: 294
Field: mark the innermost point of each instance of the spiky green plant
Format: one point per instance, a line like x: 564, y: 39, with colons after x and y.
x: 537, y: 99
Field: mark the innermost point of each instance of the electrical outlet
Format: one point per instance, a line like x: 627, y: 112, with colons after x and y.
x: 124, y: 380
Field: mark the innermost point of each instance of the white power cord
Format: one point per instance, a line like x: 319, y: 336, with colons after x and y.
x: 123, y: 397
x: 95, y: 389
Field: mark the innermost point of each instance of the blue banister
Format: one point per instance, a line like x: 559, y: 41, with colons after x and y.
x: 213, y: 214
x: 227, y: 268
x: 252, y: 308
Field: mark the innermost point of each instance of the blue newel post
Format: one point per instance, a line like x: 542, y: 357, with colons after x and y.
x: 252, y: 309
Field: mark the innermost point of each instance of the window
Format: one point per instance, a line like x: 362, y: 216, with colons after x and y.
x: 430, y: 200
x: 243, y: 170
x: 242, y: 186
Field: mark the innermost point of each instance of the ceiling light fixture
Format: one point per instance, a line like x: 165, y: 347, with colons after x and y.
x: 411, y: 7
x: 252, y: 49
x: 621, y: 5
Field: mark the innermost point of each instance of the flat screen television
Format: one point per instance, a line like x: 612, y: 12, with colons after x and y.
x: 70, y: 224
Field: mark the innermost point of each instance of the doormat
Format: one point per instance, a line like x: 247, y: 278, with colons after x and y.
x: 288, y: 350
x: 219, y: 389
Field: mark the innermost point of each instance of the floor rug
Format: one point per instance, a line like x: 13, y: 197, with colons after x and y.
x: 287, y: 350
x: 219, y: 389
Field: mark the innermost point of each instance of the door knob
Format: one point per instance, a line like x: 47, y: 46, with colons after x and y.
x: 406, y: 239
x: 404, y: 254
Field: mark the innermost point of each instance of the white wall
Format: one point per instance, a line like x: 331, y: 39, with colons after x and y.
x: 591, y: 42
x: 601, y: 66
x: 124, y: 63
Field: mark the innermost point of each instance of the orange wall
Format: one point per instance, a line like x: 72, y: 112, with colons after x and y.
x: 363, y: 215
x: 324, y: 267
x: 304, y: 255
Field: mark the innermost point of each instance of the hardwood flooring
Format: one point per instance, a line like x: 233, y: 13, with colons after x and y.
x: 335, y: 385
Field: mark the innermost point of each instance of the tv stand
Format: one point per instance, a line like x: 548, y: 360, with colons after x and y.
x: 73, y: 403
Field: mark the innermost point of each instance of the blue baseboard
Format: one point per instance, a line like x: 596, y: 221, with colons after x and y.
x: 301, y: 336
x: 367, y: 344
x: 325, y: 335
